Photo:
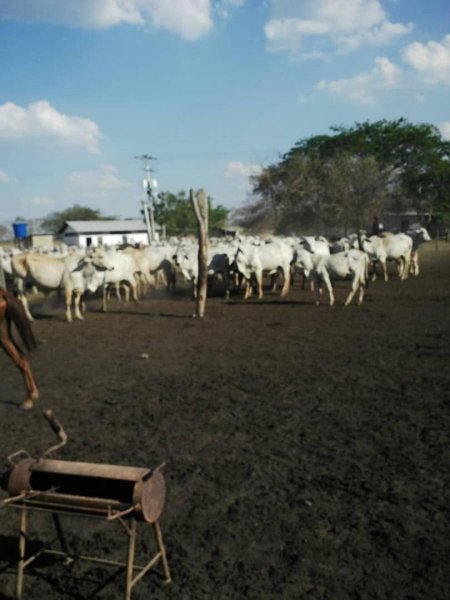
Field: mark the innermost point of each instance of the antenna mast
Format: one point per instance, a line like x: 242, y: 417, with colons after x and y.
x: 148, y: 203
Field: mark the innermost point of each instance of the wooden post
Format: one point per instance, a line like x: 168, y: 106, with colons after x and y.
x: 199, y: 203
x: 2, y: 277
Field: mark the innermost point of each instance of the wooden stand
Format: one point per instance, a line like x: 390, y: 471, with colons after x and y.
x: 199, y: 202
x: 130, y: 526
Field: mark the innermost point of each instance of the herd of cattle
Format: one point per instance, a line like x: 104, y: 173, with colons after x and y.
x: 239, y: 262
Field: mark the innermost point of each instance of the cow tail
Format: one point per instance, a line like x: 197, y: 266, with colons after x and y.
x: 16, y: 314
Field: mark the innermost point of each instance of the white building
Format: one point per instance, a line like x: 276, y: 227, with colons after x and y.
x: 85, y: 234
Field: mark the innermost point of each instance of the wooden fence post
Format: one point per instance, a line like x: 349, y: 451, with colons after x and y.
x: 2, y: 277
x: 199, y: 203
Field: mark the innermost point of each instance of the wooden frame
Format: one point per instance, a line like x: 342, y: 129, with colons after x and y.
x: 130, y: 526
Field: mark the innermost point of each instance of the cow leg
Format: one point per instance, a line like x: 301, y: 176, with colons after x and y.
x: 357, y: 282
x: 104, y: 298
x: 373, y: 269
x: 18, y: 282
x: 24, y: 301
x: 226, y: 283
x: 127, y: 286
x: 406, y: 267
x: 134, y: 291
x: 273, y: 282
x: 317, y: 280
x: 414, y: 264
x: 68, y: 300
x: 362, y: 287
x: 287, y: 283
x: 385, y: 273
x: 259, y: 287
x: 76, y: 304
x: 355, y: 285
x: 326, y: 280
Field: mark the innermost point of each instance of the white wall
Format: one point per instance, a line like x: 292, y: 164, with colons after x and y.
x: 107, y: 239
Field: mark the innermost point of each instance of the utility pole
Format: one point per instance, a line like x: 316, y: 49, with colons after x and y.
x: 148, y: 203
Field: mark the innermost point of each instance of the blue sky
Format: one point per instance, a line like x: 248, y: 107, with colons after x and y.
x: 215, y: 89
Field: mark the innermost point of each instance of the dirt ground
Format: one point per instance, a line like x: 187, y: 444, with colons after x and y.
x: 306, y: 448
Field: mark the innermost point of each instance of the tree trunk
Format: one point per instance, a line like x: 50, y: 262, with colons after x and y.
x: 199, y: 203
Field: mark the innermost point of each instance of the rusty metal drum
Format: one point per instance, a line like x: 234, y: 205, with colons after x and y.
x: 88, y: 488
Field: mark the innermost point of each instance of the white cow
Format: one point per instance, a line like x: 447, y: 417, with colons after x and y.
x: 341, y: 245
x: 316, y: 244
x: 398, y: 248
x: 112, y: 267
x: 353, y: 263
x: 186, y: 258
x: 419, y: 237
x: 253, y: 260
x: 374, y: 247
x: 160, y: 258
x: 143, y: 265
x: 389, y: 247
x: 47, y: 273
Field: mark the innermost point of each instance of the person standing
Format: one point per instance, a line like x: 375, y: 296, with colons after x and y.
x: 377, y: 226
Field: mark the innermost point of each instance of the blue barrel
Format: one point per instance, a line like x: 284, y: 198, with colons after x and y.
x: 20, y: 230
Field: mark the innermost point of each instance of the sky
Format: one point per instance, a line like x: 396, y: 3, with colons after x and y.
x: 214, y: 90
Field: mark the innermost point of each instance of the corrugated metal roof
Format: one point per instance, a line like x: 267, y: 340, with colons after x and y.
x: 119, y: 226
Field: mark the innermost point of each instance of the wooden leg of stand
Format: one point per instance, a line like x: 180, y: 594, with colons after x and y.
x: 62, y: 540
x: 22, y: 547
x: 130, y: 559
x: 159, y: 540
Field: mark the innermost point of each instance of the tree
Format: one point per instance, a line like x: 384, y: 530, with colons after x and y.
x: 5, y: 233
x: 175, y: 212
x: 415, y: 157
x: 56, y: 220
x: 358, y: 170
x: 311, y: 194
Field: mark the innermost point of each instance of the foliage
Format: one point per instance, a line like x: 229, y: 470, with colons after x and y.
x: 56, y: 220
x: 176, y: 213
x: 341, y: 179
x: 312, y: 195
x: 5, y: 233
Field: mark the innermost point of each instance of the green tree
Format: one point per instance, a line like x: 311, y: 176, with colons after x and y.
x: 415, y: 157
x: 56, y: 220
x: 175, y: 212
x: 387, y: 163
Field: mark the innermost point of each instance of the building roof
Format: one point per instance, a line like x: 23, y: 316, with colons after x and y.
x: 96, y: 227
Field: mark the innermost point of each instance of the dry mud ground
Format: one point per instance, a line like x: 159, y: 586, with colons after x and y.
x: 307, y: 448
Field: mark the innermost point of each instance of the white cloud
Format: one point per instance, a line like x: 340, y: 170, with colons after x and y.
x: 347, y: 24
x: 223, y: 6
x: 240, y: 169
x: 364, y: 87
x: 4, y: 178
x: 190, y: 19
x: 444, y: 128
x: 431, y: 61
x: 43, y: 122
x: 97, y: 184
x: 41, y: 201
